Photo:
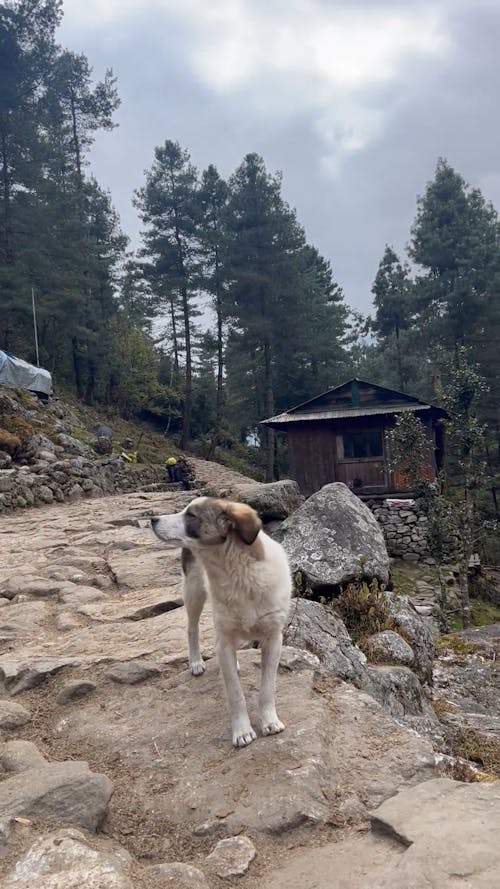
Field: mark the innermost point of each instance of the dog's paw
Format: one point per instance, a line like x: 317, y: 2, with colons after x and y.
x: 273, y: 727
x: 242, y: 738
x: 197, y: 668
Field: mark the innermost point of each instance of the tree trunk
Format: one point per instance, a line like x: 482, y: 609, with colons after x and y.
x: 188, y: 385
x: 219, y: 402
x: 442, y: 601
x: 399, y: 361
x: 466, y: 554
x: 269, y: 402
x: 77, y: 367
x: 7, y: 225
x: 174, y: 335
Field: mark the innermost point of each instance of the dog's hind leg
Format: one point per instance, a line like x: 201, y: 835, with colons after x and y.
x: 194, y: 594
x: 271, y: 650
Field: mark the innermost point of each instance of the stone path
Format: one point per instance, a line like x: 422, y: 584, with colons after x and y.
x: 103, y: 727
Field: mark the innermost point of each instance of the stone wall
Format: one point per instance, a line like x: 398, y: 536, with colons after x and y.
x: 72, y: 478
x: 405, y: 529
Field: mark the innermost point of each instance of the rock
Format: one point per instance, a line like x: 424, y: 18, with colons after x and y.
x: 30, y: 586
x: 4, y: 601
x: 319, y: 630
x: 71, y: 445
x: 273, y: 502
x: 415, y: 631
x: 5, y: 460
x: 60, y: 791
x: 46, y: 456
x: 103, y: 445
x: 13, y: 715
x: 78, y: 688
x: 66, y: 621
x: 22, y: 619
x: 39, y: 442
x: 132, y: 672
x: 176, y: 875
x: 450, y: 832
x: 232, y: 857
x: 73, y: 594
x: 18, y: 756
x: 387, y: 647
x: 398, y: 689
x: 66, y: 860
x: 326, y: 537
x: 45, y: 494
x: 75, y: 492
x: 18, y: 676
x: 103, y: 431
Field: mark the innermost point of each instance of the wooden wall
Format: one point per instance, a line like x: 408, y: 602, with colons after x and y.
x: 314, y: 457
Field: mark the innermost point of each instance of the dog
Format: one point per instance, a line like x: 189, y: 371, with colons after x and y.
x: 226, y: 555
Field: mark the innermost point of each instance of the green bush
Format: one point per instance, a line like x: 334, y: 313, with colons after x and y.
x: 364, y: 609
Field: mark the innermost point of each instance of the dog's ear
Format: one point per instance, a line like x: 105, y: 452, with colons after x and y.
x: 244, y: 520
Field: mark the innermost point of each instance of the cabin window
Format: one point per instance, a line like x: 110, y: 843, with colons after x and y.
x: 363, y: 445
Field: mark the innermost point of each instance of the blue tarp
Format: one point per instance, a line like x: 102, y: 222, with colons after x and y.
x: 18, y: 374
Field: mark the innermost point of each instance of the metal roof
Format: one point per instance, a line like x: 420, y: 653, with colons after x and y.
x: 347, y: 412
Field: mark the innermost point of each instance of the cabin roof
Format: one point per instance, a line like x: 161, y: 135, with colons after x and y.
x: 343, y: 401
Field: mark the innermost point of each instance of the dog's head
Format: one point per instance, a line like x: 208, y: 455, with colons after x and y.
x: 208, y: 522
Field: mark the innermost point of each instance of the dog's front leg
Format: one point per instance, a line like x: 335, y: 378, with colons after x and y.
x: 271, y: 651
x: 194, y: 594
x: 242, y: 730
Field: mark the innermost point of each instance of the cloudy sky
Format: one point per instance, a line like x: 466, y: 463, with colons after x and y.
x: 354, y: 100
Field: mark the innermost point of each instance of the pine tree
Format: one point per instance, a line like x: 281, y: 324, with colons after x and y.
x: 393, y: 314
x: 212, y: 198
x: 263, y: 258
x: 168, y: 208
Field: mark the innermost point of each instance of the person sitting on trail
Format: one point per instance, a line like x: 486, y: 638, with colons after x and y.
x: 170, y: 463
x: 184, y: 473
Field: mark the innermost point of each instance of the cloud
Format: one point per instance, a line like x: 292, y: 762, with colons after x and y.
x: 353, y: 99
x: 284, y: 56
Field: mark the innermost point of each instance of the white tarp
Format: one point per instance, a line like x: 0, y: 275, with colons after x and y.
x: 19, y: 374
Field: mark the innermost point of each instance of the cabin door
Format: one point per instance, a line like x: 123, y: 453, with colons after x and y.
x: 361, y: 461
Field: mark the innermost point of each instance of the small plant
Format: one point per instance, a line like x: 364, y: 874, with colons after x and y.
x: 455, y: 643
x: 479, y: 748
x: 301, y: 585
x: 9, y: 442
x: 18, y: 427
x: 364, y: 609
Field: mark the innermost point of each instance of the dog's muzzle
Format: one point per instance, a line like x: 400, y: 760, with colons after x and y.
x: 169, y: 529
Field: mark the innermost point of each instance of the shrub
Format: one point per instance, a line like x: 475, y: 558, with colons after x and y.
x: 9, y: 442
x: 364, y: 609
x: 18, y: 427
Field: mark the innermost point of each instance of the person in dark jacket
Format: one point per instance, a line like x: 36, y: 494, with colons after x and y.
x: 184, y: 473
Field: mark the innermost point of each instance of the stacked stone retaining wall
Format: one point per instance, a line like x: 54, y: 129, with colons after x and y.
x: 71, y: 479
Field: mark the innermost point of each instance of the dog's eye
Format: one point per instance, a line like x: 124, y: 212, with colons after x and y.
x: 191, y: 515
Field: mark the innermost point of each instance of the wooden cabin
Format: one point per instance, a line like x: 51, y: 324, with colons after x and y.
x: 341, y: 436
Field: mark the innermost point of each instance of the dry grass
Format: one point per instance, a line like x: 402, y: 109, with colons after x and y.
x: 454, y: 642
x: 479, y: 748
x: 442, y: 707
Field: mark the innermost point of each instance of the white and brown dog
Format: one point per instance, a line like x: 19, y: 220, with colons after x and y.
x: 247, y: 577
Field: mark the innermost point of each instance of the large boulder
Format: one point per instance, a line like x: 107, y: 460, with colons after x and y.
x: 333, y: 538
x: 273, y: 502
x: 317, y: 629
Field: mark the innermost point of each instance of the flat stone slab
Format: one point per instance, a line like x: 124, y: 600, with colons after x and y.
x: 452, y: 833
